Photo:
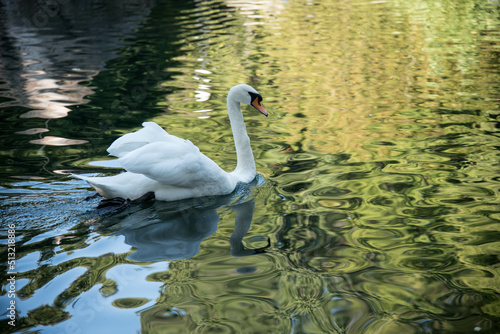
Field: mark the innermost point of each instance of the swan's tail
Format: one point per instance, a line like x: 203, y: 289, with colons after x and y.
x: 125, y: 185
x: 95, y: 183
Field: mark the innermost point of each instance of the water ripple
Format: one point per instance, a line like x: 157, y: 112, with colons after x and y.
x: 379, y: 210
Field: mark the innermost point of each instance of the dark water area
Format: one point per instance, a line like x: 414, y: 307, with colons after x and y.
x: 376, y: 208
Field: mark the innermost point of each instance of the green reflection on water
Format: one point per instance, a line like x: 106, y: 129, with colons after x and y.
x: 380, y: 154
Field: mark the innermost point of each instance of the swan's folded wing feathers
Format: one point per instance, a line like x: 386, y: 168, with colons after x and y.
x: 150, y: 133
x: 175, y: 164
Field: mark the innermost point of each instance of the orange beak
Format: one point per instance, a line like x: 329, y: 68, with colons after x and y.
x: 256, y: 104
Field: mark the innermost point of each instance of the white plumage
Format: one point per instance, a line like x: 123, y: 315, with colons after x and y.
x: 173, y: 168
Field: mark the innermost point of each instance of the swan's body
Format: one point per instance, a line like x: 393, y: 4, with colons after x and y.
x: 173, y: 168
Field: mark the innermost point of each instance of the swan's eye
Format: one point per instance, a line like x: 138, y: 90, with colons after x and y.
x: 255, y: 98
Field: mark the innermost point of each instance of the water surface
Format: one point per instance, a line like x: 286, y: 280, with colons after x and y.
x: 379, y: 166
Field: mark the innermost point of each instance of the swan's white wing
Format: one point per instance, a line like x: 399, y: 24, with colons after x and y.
x: 176, y: 163
x: 150, y: 133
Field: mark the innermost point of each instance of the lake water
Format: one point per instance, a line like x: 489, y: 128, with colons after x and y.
x: 377, y: 206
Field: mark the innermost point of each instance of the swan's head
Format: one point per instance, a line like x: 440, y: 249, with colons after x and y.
x: 246, y: 94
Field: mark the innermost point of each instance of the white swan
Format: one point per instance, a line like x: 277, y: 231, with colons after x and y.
x: 173, y: 168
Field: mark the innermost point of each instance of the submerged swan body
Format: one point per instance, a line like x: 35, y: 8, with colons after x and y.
x: 173, y: 168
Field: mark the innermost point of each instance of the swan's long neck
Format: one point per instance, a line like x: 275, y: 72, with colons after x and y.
x: 245, y: 167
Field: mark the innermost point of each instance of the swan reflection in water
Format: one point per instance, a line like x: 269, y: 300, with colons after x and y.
x: 174, y: 230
